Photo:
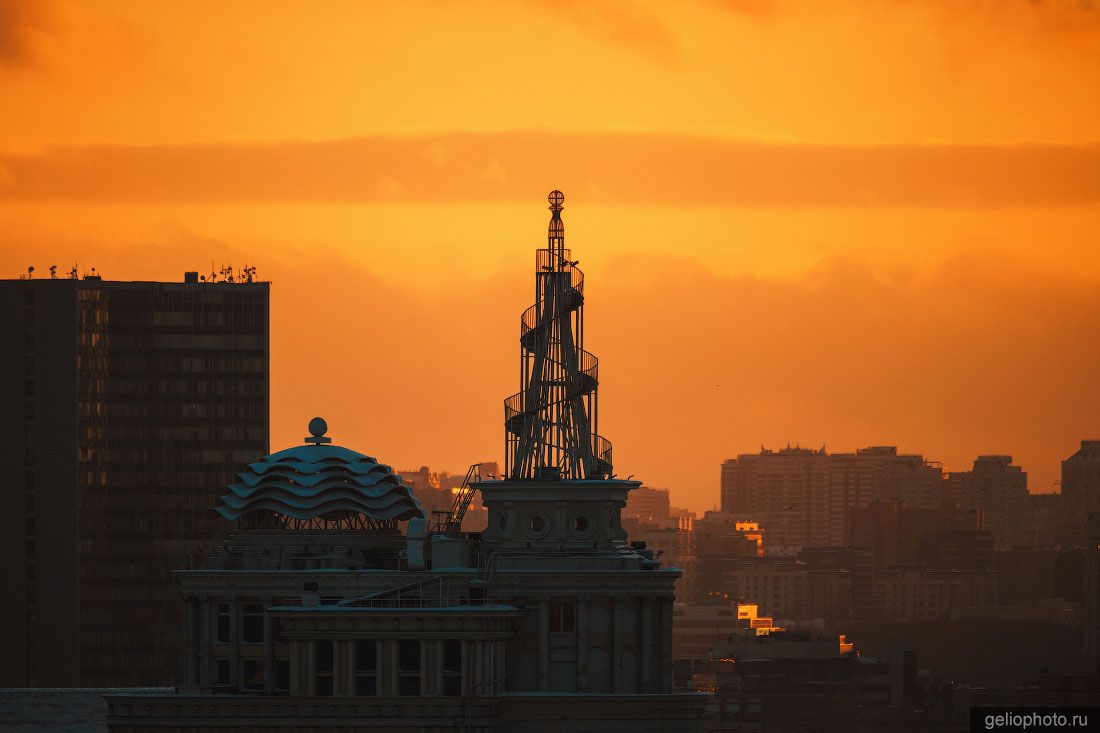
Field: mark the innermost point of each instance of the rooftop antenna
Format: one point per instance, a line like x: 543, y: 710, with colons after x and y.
x: 72, y: 272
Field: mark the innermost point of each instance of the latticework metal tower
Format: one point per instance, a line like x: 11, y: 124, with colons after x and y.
x: 550, y: 424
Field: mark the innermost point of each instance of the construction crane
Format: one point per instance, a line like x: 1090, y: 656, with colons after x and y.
x: 450, y: 523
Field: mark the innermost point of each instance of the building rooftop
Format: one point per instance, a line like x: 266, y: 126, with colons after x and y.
x: 317, y: 480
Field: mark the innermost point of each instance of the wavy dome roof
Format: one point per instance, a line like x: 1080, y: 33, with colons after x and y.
x: 315, y: 481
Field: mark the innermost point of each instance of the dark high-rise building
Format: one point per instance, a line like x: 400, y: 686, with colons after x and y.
x: 127, y: 407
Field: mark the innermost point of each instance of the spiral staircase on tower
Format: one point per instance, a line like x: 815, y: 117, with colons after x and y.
x: 550, y: 425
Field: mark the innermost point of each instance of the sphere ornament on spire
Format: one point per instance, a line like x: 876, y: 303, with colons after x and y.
x: 317, y: 428
x: 556, y: 199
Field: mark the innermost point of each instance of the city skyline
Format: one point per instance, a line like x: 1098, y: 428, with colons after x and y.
x: 830, y: 253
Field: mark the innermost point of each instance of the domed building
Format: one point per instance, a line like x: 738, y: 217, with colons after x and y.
x: 318, y: 486
x: 335, y: 604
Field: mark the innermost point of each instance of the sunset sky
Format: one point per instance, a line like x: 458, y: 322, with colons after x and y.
x: 843, y: 223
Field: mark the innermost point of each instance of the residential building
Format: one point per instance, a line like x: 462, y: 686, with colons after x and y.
x: 649, y: 506
x: 858, y: 562
x: 1081, y: 495
x: 910, y: 593
x: 789, y: 590
x: 1027, y: 577
x: 808, y: 682
x: 673, y: 546
x: 806, y: 498
x: 898, y: 534
x: 719, y: 540
x: 1044, y: 525
x: 955, y: 549
x: 996, y: 492
x: 700, y: 626
x: 127, y: 406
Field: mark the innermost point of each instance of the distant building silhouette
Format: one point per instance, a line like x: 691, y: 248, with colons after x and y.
x: 649, y: 506
x: 914, y: 593
x: 899, y: 534
x: 1081, y: 495
x: 860, y: 566
x: 1044, y: 521
x: 996, y: 492
x: 805, y: 498
x: 126, y: 405
x: 436, y: 493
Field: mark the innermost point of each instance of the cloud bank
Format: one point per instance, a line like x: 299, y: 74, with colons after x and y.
x: 610, y: 167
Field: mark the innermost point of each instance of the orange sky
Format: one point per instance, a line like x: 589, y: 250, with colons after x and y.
x: 842, y: 223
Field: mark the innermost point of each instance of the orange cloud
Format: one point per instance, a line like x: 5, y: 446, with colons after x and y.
x: 23, y: 26
x: 630, y: 24
x: 611, y: 167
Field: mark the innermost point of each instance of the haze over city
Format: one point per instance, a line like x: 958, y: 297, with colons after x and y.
x: 852, y: 225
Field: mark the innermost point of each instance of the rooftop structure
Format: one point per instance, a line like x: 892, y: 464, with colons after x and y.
x: 318, y: 485
x: 550, y: 424
x: 318, y: 611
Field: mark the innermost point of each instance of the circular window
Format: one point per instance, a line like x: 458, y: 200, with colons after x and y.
x: 582, y: 525
x: 537, y: 524
x: 502, y: 523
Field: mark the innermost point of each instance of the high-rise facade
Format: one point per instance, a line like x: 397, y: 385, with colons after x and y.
x: 1081, y: 495
x: 995, y: 491
x: 788, y: 492
x: 806, y: 498
x: 127, y: 406
x: 649, y: 506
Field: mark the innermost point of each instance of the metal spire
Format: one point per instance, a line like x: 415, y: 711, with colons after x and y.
x: 550, y: 424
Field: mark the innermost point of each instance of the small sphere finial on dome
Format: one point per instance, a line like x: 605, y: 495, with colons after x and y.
x: 317, y: 429
x: 556, y: 199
